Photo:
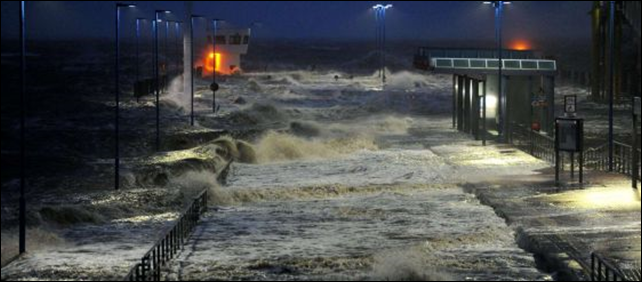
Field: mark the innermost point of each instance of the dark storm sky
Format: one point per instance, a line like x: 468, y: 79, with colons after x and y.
x: 317, y: 19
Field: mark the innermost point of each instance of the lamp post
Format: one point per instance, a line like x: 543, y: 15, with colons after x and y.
x: 166, y: 53
x: 23, y: 99
x: 380, y: 11
x: 117, y: 80
x: 191, y: 36
x: 499, y: 8
x: 177, y: 30
x: 611, y: 82
x: 378, y: 37
x: 138, y: 21
x: 157, y: 14
x: 214, y: 87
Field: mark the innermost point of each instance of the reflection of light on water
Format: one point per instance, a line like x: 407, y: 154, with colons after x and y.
x: 106, y: 201
x: 495, y: 158
x: 500, y: 161
x: 612, y: 198
x: 147, y: 218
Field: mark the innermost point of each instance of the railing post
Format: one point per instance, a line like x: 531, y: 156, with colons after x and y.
x: 592, y: 267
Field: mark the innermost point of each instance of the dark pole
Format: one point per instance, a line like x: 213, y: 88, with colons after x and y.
x: 138, y: 20
x: 157, y: 84
x: 484, y: 115
x: 636, y: 144
x: 611, y: 82
x: 117, y: 97
x: 23, y: 86
x: 383, y: 46
x: 377, y: 40
x: 178, y: 61
x: 166, y: 53
x: 157, y: 73
x: 191, y: 22
x: 502, y: 111
x: 117, y: 121
x: 214, y: 86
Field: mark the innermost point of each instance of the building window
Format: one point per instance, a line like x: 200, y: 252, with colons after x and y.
x: 221, y: 39
x: 235, y: 39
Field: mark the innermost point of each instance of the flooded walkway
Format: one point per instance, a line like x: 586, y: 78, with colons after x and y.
x: 394, y: 214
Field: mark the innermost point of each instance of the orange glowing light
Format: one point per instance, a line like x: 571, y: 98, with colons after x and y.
x: 208, y: 64
x: 520, y: 45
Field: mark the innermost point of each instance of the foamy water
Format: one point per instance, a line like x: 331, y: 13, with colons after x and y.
x: 369, y: 194
x: 388, y: 214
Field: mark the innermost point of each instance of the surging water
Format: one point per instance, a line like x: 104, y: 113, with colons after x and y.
x: 351, y: 183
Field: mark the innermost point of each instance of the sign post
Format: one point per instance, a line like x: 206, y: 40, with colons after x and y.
x: 569, y: 136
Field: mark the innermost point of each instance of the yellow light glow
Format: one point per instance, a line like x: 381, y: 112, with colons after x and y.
x: 491, y: 106
x: 610, y: 198
x: 208, y: 64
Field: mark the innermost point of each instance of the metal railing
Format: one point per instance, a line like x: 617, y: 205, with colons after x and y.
x: 602, y: 270
x: 149, y: 267
x: 533, y: 142
x: 597, y: 158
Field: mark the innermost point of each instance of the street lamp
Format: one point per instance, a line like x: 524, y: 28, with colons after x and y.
x: 191, y: 36
x: 177, y: 30
x: 166, y: 53
x: 138, y: 21
x: 23, y: 102
x: 380, y: 11
x: 157, y: 14
x: 499, y: 8
x: 378, y: 37
x: 611, y: 83
x: 117, y: 80
x: 214, y: 87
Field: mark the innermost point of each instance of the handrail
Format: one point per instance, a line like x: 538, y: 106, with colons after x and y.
x: 492, y: 64
x: 149, y: 268
x: 602, y: 270
x: 595, y: 158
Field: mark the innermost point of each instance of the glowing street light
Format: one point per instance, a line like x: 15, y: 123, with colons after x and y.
x: 157, y: 73
x: 380, y: 13
x: 117, y: 118
x: 499, y: 8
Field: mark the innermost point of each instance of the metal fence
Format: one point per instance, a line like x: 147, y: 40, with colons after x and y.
x: 597, y: 158
x: 533, y: 142
x: 149, y: 267
x: 602, y: 270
